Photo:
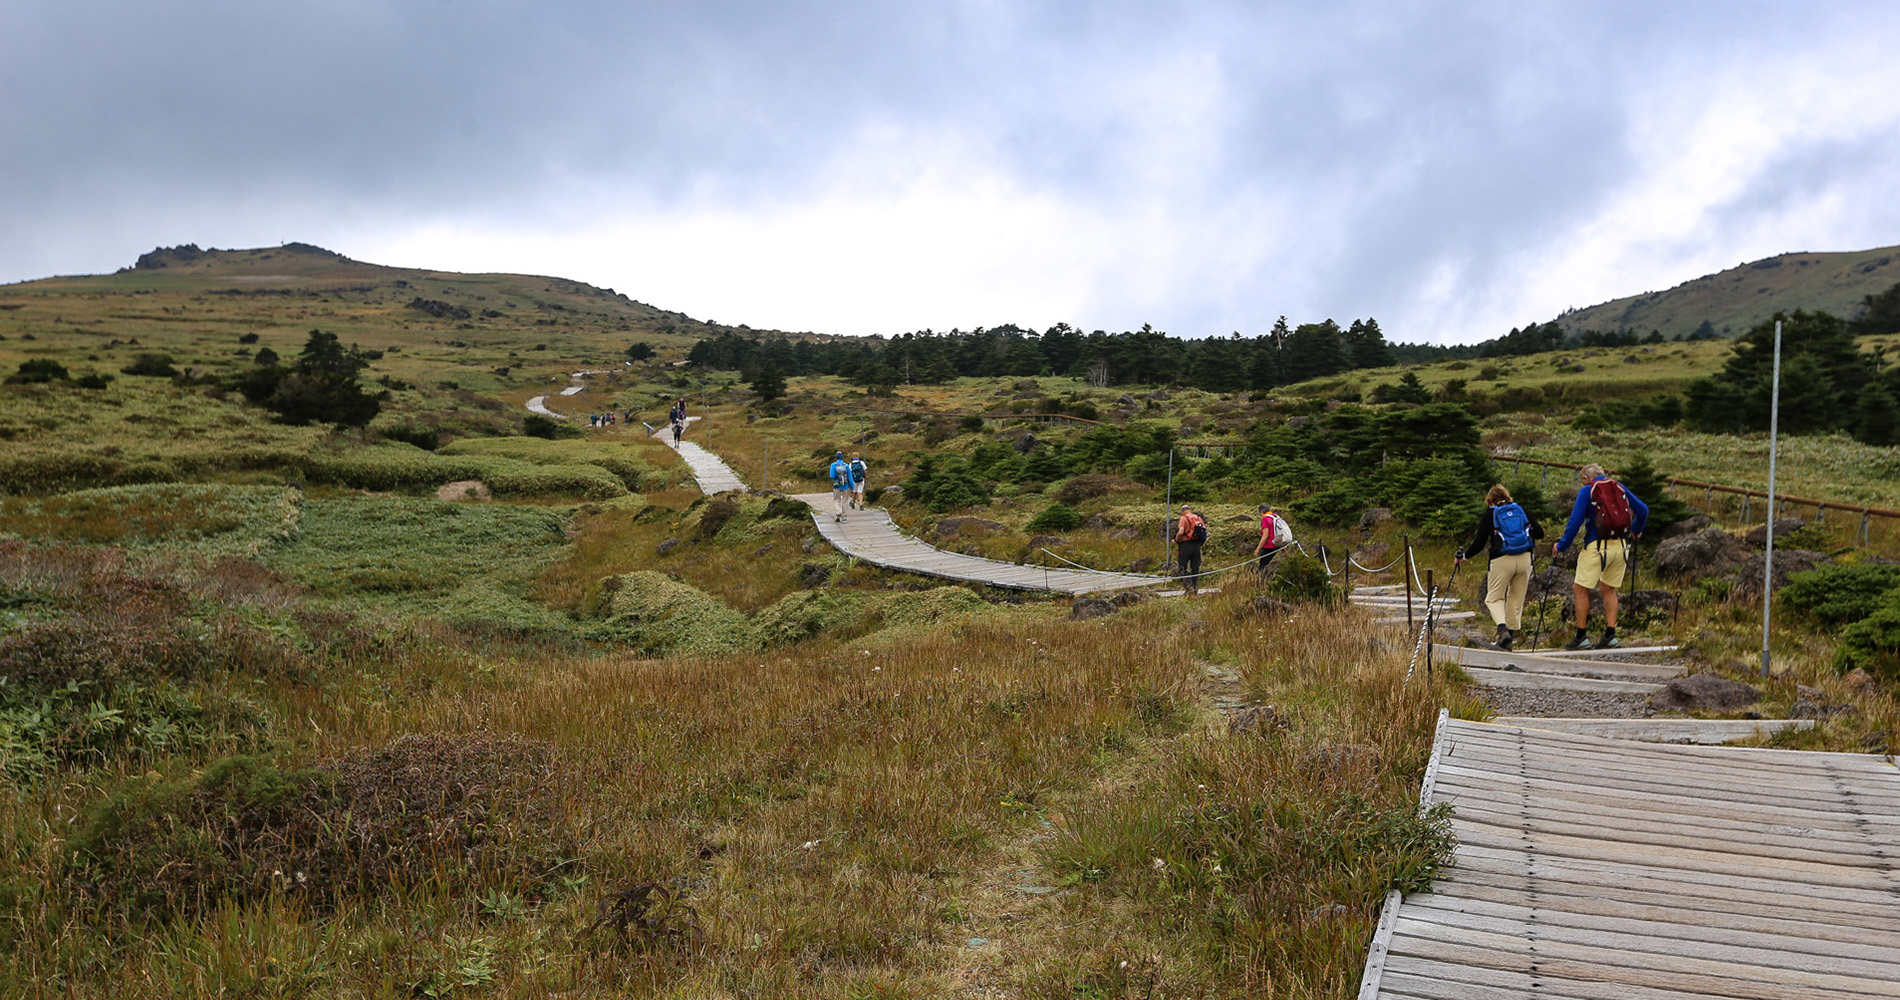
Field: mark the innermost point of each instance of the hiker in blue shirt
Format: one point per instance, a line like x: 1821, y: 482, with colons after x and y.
x: 1507, y: 532
x: 1612, y: 518
x: 840, y: 473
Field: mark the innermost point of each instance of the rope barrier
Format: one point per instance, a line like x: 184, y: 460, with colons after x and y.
x: 1417, y: 584
x: 1367, y: 569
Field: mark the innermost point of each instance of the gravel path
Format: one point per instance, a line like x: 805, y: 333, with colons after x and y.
x: 1566, y: 704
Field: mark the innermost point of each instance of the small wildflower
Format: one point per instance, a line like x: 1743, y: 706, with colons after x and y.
x: 1158, y: 865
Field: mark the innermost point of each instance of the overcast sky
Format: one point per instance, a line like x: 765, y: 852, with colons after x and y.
x: 1452, y: 169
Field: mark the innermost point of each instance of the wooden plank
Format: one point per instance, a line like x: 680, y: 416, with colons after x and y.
x: 1452, y: 617
x: 1816, y: 761
x: 1472, y: 656
x: 1435, y: 980
x: 1523, y: 858
x: 1480, y: 799
x: 1536, y: 822
x: 1661, y: 730
x: 1455, y: 774
x: 1664, y: 908
x: 1877, y: 777
x: 1619, y: 651
x: 1648, y: 770
x: 1720, y: 977
x: 1666, y: 937
x: 1555, y: 682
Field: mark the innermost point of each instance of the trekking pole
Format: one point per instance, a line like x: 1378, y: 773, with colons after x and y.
x: 1542, y: 610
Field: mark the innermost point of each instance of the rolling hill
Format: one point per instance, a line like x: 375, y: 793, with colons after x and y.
x: 1731, y: 301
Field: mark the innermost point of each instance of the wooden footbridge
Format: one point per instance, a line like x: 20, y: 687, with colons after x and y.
x: 870, y: 534
x: 1605, y: 869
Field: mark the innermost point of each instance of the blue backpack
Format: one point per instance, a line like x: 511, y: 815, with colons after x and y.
x: 1513, y: 526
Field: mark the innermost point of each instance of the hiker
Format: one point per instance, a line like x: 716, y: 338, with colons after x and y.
x: 1275, y: 534
x: 1507, y: 532
x: 858, y: 472
x: 1189, y: 533
x: 840, y: 473
x: 679, y: 427
x: 1612, y: 517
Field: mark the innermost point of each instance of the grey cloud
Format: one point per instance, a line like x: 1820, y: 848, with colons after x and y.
x: 1412, y: 134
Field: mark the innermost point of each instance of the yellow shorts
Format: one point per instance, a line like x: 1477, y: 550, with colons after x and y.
x: 1600, y: 563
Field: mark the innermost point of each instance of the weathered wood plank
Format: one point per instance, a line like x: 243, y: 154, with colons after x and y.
x: 1661, y: 730
x: 1556, y: 682
x: 1471, y: 656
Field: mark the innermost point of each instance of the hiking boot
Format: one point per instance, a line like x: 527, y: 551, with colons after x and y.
x: 1609, y: 641
x: 1505, y: 638
x: 1580, y: 641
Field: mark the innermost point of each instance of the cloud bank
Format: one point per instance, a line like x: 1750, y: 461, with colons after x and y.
x: 860, y: 168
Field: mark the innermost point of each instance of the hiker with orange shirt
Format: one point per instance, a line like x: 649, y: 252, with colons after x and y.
x: 1189, y: 534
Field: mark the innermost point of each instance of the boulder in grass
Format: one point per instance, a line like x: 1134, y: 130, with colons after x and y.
x: 1787, y: 563
x: 1704, y: 692
x: 1690, y: 525
x: 1784, y: 526
x: 1091, y: 607
x: 1258, y: 719
x: 1709, y: 552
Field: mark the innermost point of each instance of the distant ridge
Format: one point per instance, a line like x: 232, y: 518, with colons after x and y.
x: 1734, y: 300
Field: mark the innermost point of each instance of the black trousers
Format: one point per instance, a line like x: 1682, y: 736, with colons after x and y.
x: 1190, y: 560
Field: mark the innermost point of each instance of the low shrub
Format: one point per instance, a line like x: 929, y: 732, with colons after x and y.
x: 1056, y: 518
x: 656, y: 614
x: 1840, y: 595
x: 473, y: 811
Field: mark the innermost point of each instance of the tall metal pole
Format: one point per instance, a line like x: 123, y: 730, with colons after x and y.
x: 1167, y: 512
x: 1768, y: 561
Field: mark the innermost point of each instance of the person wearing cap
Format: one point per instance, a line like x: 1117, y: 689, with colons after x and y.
x: 840, y: 473
x: 1189, y: 532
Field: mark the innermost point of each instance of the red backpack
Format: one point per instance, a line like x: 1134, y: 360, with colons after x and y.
x: 1610, y: 509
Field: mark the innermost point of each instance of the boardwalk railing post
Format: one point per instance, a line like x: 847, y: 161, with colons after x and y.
x: 1768, y: 557
x: 1407, y: 574
x: 1431, y: 605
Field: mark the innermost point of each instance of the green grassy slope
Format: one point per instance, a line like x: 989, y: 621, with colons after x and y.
x: 1738, y: 298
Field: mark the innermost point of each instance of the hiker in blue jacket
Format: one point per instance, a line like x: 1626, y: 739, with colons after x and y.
x: 840, y: 473
x: 1612, y: 518
x: 1507, y: 532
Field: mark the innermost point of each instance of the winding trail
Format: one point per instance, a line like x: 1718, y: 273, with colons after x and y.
x: 872, y: 536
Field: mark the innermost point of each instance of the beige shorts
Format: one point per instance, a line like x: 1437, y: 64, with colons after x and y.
x: 1600, y: 563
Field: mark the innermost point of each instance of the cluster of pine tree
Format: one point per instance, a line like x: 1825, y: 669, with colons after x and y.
x: 1146, y: 356
x: 1827, y: 383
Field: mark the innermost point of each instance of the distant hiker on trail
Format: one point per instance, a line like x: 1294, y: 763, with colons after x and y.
x: 1612, y: 517
x: 1189, y: 533
x: 1507, y: 531
x: 679, y: 427
x: 840, y: 473
x: 1275, y: 534
x: 858, y: 472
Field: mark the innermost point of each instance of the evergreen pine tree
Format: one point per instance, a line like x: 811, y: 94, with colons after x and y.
x: 1367, y: 345
x: 769, y: 383
x: 1876, y: 416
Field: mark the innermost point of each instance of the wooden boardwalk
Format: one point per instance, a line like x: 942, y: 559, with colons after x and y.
x: 872, y: 536
x: 1601, y: 869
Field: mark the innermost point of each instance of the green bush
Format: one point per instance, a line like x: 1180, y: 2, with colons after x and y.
x: 1297, y: 576
x: 38, y: 370
x: 1873, y: 643
x: 657, y: 614
x: 1840, y: 595
x: 1056, y: 518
